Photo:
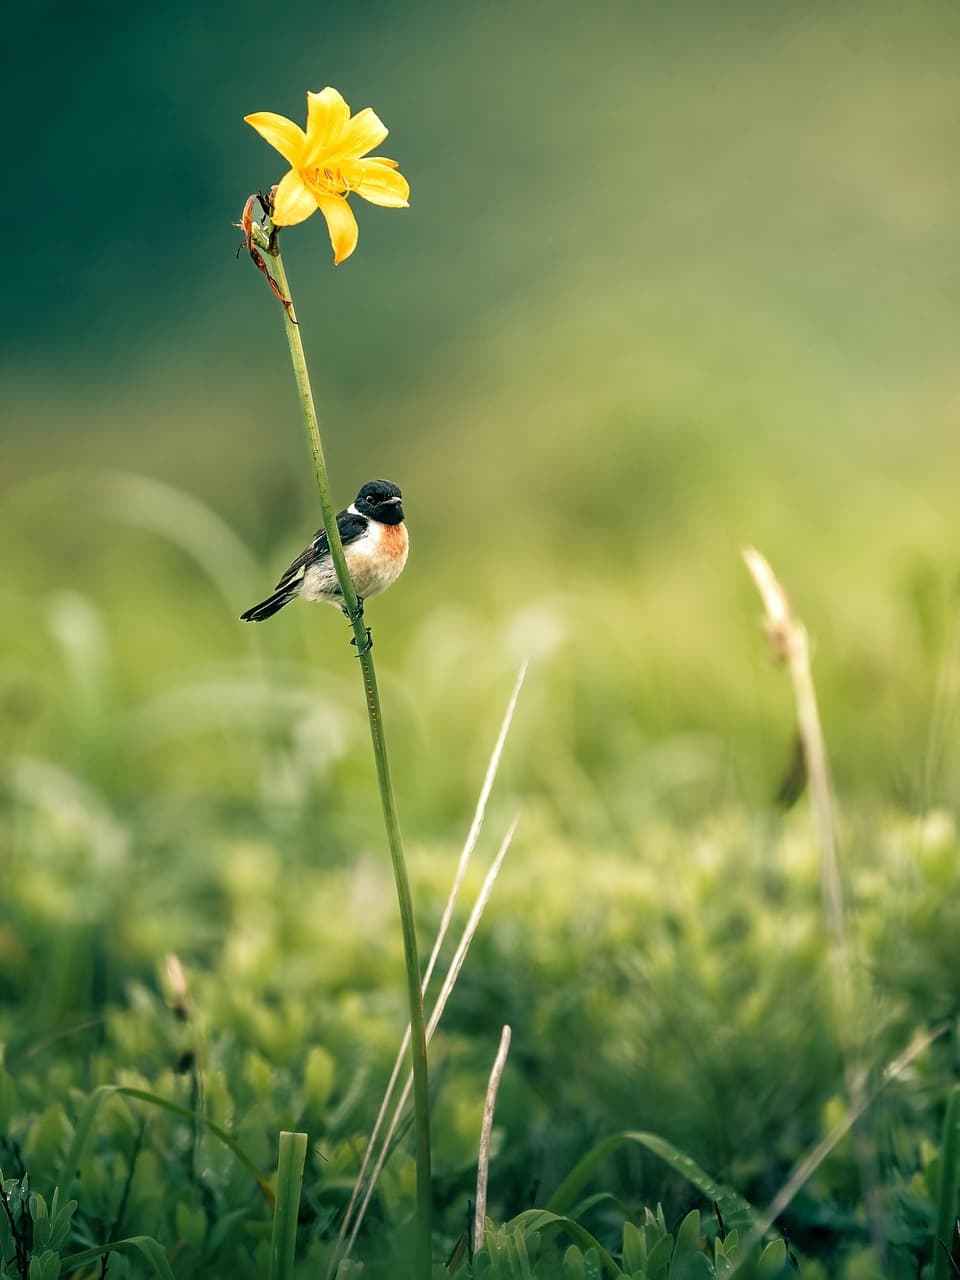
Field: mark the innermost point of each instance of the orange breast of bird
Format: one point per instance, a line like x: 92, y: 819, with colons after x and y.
x: 395, y: 543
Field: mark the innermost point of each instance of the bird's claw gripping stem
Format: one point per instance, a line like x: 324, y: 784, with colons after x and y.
x: 367, y: 644
x: 353, y: 617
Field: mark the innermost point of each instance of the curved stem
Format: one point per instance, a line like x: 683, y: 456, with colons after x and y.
x: 421, y: 1096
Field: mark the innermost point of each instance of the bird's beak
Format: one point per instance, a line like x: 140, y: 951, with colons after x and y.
x: 394, y: 501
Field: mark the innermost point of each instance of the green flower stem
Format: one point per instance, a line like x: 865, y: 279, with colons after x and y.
x: 421, y: 1096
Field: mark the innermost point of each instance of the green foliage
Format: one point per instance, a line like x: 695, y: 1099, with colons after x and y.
x: 531, y: 1247
x: 698, y: 1000
x: 33, y: 1238
x: 735, y: 1210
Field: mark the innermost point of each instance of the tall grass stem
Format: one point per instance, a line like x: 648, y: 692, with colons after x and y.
x: 791, y: 644
x: 466, y: 852
x: 788, y: 637
x: 421, y: 1093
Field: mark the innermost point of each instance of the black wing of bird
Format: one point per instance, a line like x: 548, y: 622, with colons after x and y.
x: 351, y: 525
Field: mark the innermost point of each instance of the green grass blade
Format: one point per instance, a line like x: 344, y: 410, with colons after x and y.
x: 84, y: 1131
x: 735, y: 1209
x: 949, y: 1189
x: 283, y: 1245
x: 534, y: 1220
x: 157, y: 1101
x: 598, y: 1197
x: 145, y: 1245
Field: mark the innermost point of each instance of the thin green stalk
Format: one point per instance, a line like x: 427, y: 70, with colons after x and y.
x: 421, y: 1096
x: 945, y: 1234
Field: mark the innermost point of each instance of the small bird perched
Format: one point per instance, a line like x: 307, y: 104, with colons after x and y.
x: 375, y: 545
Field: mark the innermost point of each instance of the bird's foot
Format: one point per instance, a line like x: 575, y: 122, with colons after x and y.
x: 353, y: 617
x: 367, y: 644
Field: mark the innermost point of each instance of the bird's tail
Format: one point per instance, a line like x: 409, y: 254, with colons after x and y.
x: 273, y: 604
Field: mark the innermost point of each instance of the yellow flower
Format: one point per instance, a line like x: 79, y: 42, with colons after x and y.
x: 327, y: 164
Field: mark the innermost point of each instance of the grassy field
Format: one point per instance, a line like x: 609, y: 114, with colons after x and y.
x: 674, y: 279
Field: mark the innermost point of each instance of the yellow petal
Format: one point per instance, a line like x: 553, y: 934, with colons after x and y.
x: 377, y: 181
x: 364, y: 132
x: 341, y: 224
x: 292, y: 202
x: 288, y: 138
x: 327, y: 117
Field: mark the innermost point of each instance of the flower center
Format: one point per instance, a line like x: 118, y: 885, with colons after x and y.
x: 326, y: 180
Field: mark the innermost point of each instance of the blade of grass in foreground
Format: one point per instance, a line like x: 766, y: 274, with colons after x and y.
x: 283, y: 1245
x: 949, y: 1189
x: 535, y: 1221
x: 736, y: 1211
x: 145, y: 1245
x: 84, y: 1132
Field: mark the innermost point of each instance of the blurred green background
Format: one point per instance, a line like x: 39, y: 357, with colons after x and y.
x: 674, y: 278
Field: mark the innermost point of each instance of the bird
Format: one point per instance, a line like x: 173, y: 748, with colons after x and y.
x: 375, y: 544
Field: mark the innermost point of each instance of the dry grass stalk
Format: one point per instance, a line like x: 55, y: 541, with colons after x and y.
x: 788, y: 637
x: 791, y: 645
x: 486, y: 1128
x: 176, y: 979
x: 475, y: 827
